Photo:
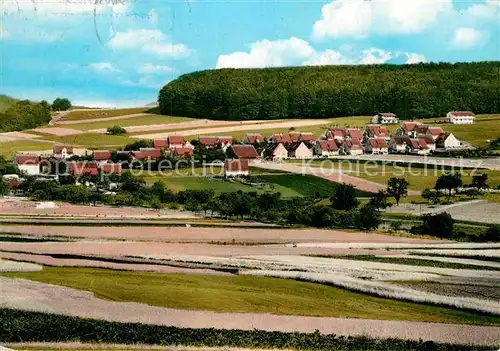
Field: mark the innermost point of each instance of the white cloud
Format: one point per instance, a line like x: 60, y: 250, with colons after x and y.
x: 327, y: 57
x: 489, y: 10
x: 149, y: 41
x: 374, y: 56
x: 268, y: 53
x: 360, y: 18
x: 103, y: 67
x: 412, y: 58
x: 150, y: 68
x: 296, y: 51
x: 467, y: 37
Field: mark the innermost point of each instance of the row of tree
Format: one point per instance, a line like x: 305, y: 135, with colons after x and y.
x: 26, y: 114
x: 422, y: 90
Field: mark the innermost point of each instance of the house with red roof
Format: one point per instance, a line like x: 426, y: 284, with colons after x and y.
x: 161, y: 144
x: 252, y: 138
x: 283, y: 138
x: 183, y: 152
x: 336, y: 133
x: 376, y: 131
x: 352, y: 147
x: 430, y: 141
x: 400, y: 144
x: 408, y: 128
x: 385, y: 118
x: 235, y: 168
x: 78, y: 169
x: 447, y: 141
x: 245, y: 152
x: 460, y: 117
x: 111, y: 168
x: 175, y: 141
x: 225, y: 140
x: 354, y: 133
x: 434, y: 132
x: 208, y: 142
x: 27, y: 163
x: 14, y: 187
x: 101, y: 156
x: 377, y: 146
x: 419, y: 147
x: 308, y: 138
x: 147, y: 154
x: 62, y: 151
x: 326, y: 148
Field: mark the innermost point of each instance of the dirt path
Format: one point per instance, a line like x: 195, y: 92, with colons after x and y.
x: 210, y: 235
x: 35, y: 296
x: 102, y: 119
x: 241, y: 127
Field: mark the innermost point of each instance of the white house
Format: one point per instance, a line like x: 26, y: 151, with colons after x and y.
x: 385, y: 118
x: 460, y: 117
x: 326, y: 148
x: 447, y: 141
x: 235, y: 168
x: 399, y: 144
x: 352, y: 147
x: 419, y: 147
x: 275, y: 152
x: 300, y: 150
x: 429, y: 140
x: 28, y: 163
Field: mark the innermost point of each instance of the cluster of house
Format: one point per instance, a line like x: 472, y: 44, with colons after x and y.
x: 453, y: 117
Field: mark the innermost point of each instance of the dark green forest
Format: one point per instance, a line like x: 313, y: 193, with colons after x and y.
x: 24, y: 115
x: 420, y: 90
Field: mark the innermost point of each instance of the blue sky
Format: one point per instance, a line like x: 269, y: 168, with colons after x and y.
x: 120, y: 52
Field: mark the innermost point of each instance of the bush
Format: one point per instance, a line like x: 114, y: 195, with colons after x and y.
x: 116, y: 130
x: 21, y: 326
x: 439, y: 225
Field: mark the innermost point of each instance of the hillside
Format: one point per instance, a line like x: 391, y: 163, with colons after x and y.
x: 421, y: 90
x: 22, y: 115
x: 6, y: 102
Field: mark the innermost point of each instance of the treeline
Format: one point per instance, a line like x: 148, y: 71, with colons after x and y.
x: 22, y: 326
x: 420, y: 90
x: 25, y: 115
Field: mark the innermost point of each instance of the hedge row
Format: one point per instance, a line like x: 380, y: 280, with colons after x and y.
x: 21, y: 326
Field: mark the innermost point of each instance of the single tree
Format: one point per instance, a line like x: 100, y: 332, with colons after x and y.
x: 480, y: 181
x: 397, y: 188
x: 450, y: 181
x: 439, y: 225
x: 61, y: 104
x: 345, y: 197
x: 369, y: 217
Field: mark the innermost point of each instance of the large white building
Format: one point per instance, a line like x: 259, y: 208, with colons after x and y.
x: 385, y: 118
x: 28, y: 163
x: 460, y: 117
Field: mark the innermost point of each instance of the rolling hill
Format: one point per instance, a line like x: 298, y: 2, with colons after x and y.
x: 420, y: 90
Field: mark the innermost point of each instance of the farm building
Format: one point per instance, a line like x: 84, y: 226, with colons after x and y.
x: 447, y: 141
x: 460, y: 117
x: 28, y: 163
x: 147, y: 154
x: 183, y: 152
x: 235, y: 168
x: 161, y: 144
x: 385, y: 118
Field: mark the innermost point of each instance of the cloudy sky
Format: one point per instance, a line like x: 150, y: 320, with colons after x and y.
x: 120, y: 52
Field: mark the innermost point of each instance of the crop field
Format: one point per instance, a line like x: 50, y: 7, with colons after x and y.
x: 143, y: 120
x: 98, y: 113
x: 245, y: 294
x: 92, y: 141
x: 9, y: 149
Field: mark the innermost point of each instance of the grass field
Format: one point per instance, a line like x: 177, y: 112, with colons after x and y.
x: 146, y: 119
x: 98, y: 113
x: 485, y: 128
x: 245, y: 294
x: 91, y: 141
x: 94, y: 348
x: 8, y: 149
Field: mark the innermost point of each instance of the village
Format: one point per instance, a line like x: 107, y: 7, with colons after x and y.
x: 410, y: 138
